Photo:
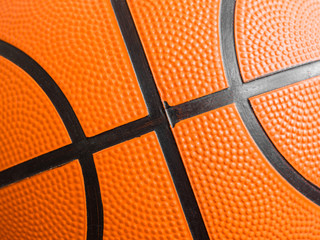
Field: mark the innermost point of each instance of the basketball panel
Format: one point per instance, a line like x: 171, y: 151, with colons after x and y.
x: 139, y: 198
x: 80, y: 45
x: 50, y: 205
x: 181, y: 41
x: 29, y: 125
x: 275, y: 35
x: 241, y: 196
x: 290, y: 116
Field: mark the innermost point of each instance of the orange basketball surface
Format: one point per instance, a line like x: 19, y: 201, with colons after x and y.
x: 181, y: 40
x: 290, y: 116
x: 128, y: 119
x: 79, y: 44
x: 274, y: 35
x: 50, y: 205
x: 27, y: 116
x: 239, y: 193
x: 137, y: 192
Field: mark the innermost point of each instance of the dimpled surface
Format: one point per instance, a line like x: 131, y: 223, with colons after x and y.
x: 29, y: 123
x: 181, y: 40
x: 79, y: 44
x: 272, y: 35
x: 291, y: 118
x: 240, y: 195
x: 50, y: 205
x: 139, y: 200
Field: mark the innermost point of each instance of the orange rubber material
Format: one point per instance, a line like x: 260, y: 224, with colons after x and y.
x: 181, y: 40
x: 79, y: 44
x: 29, y: 123
x: 50, y: 205
x: 291, y: 118
x: 273, y: 35
x: 138, y: 195
x: 240, y: 195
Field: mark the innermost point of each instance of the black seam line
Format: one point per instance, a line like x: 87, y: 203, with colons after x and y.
x: 239, y: 92
x: 163, y: 131
x: 48, y: 85
x: 42, y: 163
x: 123, y: 133
x: 77, y: 150
x: 247, y: 114
x: 72, y: 124
x: 283, y: 70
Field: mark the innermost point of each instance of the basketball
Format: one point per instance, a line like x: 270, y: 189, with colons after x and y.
x: 144, y: 119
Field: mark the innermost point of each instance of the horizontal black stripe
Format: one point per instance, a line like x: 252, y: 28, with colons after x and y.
x: 280, y: 79
x: 239, y: 91
x: 200, y: 105
x: 123, y: 133
x: 77, y: 150
x: 42, y: 163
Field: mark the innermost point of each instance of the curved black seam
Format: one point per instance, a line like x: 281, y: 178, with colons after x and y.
x: 76, y: 133
x: 156, y: 110
x: 48, y: 85
x: 230, y: 61
x: 82, y: 147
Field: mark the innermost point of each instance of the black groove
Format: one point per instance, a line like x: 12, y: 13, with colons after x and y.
x: 93, y: 198
x: 280, y: 79
x: 156, y: 110
x: 48, y: 85
x: 257, y: 132
x: 123, y: 133
x: 77, y: 150
x: 40, y: 164
x: 286, y: 69
x: 271, y: 153
x: 239, y: 91
x: 200, y: 105
x: 71, y: 122
x: 82, y: 148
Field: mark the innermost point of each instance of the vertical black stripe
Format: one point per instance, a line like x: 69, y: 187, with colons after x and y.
x: 156, y: 110
x: 93, y: 198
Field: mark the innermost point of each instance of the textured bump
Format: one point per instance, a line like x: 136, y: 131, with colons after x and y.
x: 29, y: 123
x: 139, y: 200
x: 50, y: 205
x: 78, y: 42
x: 239, y: 193
x: 291, y: 118
x: 272, y: 35
x: 181, y: 40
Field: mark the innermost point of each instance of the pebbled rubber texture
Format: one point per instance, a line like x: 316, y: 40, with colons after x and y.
x: 274, y: 35
x: 29, y: 125
x: 50, y: 205
x: 138, y: 195
x: 240, y: 195
x: 181, y: 41
x: 80, y: 45
x: 291, y: 118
